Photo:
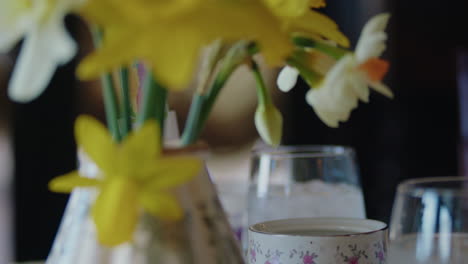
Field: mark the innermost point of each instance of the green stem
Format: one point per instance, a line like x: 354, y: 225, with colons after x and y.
x: 109, y: 95
x: 311, y: 77
x: 201, y: 108
x: 110, y: 106
x: 215, y: 89
x: 191, y: 130
x: 202, y: 104
x: 126, y: 104
x: 263, y: 95
x: 154, y: 102
x: 332, y: 51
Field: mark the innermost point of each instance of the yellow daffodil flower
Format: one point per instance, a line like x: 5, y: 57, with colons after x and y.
x: 132, y: 176
x: 171, y: 43
x: 46, y: 42
x: 349, y: 78
x: 313, y: 24
x: 293, y: 8
x: 297, y: 17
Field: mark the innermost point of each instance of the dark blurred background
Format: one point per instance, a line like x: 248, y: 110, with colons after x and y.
x: 417, y: 134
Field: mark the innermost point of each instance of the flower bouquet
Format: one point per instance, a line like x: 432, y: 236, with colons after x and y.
x: 172, y: 43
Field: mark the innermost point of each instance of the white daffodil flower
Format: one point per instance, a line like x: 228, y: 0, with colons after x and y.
x: 349, y: 79
x: 46, y: 42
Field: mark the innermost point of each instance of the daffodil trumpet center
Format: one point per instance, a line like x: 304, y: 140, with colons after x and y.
x: 375, y: 69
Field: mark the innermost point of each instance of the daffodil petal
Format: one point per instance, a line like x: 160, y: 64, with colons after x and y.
x: 172, y: 57
x: 287, y: 78
x: 329, y: 118
x: 359, y: 86
x: 335, y: 98
x: 371, y: 43
x: 145, y: 142
x: 143, y: 146
x: 113, y: 52
x: 288, y: 8
x: 96, y: 142
x: 9, y: 38
x: 43, y: 50
x: 175, y: 61
x: 161, y: 205
x: 141, y: 12
x: 14, y: 22
x: 381, y: 88
x: 317, y: 3
x: 66, y: 183
x: 173, y: 171
x: 315, y: 22
x: 116, y: 212
x: 171, y: 46
x: 376, y: 24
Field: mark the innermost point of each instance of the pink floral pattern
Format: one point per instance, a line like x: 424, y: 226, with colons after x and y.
x: 309, y: 259
x: 355, y: 256
x: 350, y: 254
x: 380, y: 253
x: 253, y: 255
x: 354, y: 260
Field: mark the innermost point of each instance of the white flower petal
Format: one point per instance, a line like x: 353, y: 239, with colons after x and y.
x: 287, y: 78
x: 42, y: 52
x: 334, y: 100
x: 381, y: 88
x: 347, y: 100
x: 371, y: 43
x: 376, y: 24
x: 14, y: 23
x: 371, y: 47
x: 329, y: 118
x: 359, y: 86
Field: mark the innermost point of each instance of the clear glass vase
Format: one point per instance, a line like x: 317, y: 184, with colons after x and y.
x: 304, y: 181
x: 202, y: 236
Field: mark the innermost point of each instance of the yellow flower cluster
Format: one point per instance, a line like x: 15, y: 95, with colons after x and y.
x: 169, y: 37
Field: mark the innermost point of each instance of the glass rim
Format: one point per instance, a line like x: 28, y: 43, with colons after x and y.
x: 416, y: 186
x: 303, y: 151
x: 277, y: 228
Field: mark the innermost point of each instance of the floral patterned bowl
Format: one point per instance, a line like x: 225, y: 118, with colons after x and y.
x: 317, y: 241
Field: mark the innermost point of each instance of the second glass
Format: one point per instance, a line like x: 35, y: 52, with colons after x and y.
x: 430, y: 221
x: 304, y: 181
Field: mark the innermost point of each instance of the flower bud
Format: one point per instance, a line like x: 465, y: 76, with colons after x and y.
x: 269, y: 124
